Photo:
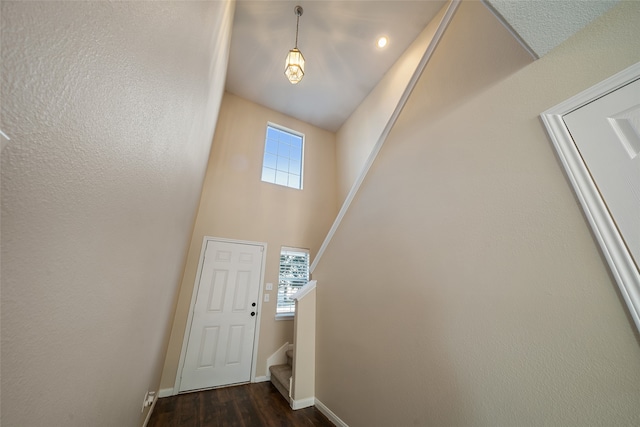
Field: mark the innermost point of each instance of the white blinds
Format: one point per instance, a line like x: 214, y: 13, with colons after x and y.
x: 294, y: 273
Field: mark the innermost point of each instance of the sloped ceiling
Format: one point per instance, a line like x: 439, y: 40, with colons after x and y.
x: 343, y: 64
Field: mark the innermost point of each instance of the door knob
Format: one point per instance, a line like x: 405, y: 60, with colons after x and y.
x: 253, y: 304
x: 253, y: 313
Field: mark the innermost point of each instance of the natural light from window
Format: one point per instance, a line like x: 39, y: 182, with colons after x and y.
x: 294, y: 274
x: 283, y: 154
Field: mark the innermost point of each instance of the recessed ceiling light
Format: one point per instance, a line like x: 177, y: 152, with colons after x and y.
x: 382, y: 42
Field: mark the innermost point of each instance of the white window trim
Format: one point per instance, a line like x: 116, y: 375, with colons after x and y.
x: 291, y: 131
x: 290, y: 315
x: 285, y: 316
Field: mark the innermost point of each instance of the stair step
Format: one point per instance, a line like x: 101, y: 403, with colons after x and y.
x: 280, y: 375
x: 290, y: 357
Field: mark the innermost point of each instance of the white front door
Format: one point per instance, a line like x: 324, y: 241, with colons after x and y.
x: 221, y: 337
x: 607, y: 134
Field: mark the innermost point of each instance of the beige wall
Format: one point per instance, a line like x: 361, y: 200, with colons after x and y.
x: 236, y: 204
x: 360, y: 133
x: 111, y: 109
x: 304, y: 341
x: 464, y: 286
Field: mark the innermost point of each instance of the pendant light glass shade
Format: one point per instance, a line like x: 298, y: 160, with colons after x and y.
x: 294, y: 67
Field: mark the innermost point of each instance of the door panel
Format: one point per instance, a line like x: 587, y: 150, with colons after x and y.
x: 607, y: 134
x: 597, y: 136
x: 208, y: 347
x: 220, y: 345
x: 234, y: 347
x: 218, y: 289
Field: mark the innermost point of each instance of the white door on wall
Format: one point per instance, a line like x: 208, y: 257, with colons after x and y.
x: 597, y: 136
x: 607, y: 134
x: 220, y: 345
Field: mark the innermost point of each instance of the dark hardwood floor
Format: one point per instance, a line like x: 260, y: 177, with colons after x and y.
x: 245, y: 405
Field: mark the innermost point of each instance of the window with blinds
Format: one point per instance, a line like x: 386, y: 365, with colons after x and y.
x: 294, y: 273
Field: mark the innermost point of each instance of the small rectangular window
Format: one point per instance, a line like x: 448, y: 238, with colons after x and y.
x: 283, y: 155
x: 294, y: 274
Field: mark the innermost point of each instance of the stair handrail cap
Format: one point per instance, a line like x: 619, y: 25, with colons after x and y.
x: 311, y: 285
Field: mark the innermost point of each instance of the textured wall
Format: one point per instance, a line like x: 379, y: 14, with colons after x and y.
x: 111, y: 109
x: 463, y: 286
x: 544, y: 24
x: 236, y: 204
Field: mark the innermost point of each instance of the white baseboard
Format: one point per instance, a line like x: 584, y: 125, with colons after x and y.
x: 148, y: 417
x: 302, y: 403
x: 166, y: 392
x: 329, y: 414
x: 261, y: 379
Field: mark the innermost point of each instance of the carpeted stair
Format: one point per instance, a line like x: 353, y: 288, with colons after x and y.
x: 281, y: 376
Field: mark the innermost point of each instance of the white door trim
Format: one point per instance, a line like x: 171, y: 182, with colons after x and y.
x: 256, y: 336
x: 613, y: 247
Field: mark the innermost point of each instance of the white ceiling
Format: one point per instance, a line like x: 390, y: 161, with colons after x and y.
x: 337, y: 39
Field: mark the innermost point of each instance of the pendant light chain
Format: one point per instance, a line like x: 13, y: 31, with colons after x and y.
x: 297, y: 25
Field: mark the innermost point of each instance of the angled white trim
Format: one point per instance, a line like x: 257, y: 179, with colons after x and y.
x: 262, y: 379
x: 166, y: 392
x: 329, y: 414
x: 194, y: 293
x: 302, y: 403
x: 508, y: 27
x: 311, y: 285
x: 153, y: 406
x: 279, y: 357
x: 611, y: 242
x: 442, y: 26
x: 5, y: 140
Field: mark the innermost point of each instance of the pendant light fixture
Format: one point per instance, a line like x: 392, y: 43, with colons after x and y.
x: 294, y: 67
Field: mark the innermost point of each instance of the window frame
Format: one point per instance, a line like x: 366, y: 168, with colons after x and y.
x: 293, y: 132
x: 291, y: 307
